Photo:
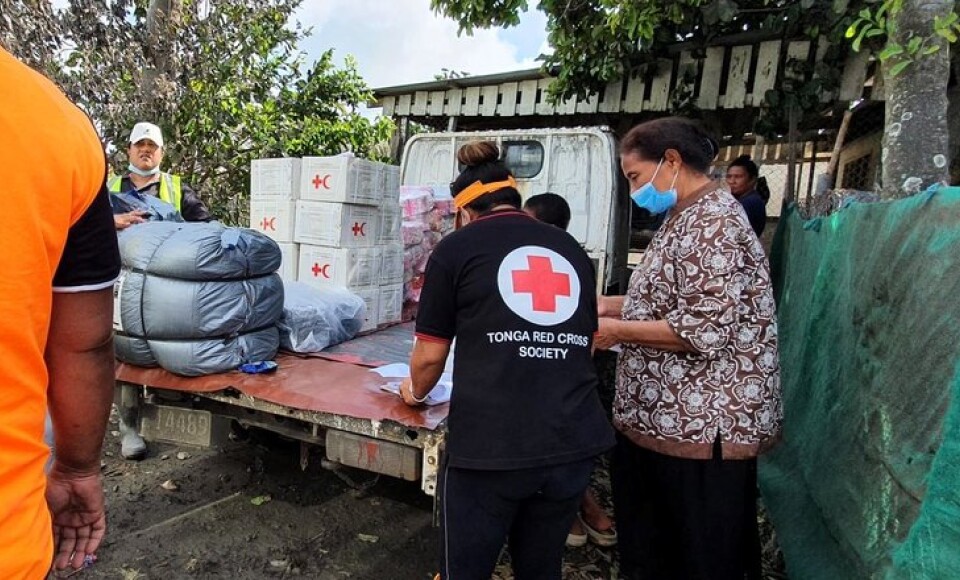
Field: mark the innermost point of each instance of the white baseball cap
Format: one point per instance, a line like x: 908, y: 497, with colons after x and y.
x: 146, y: 131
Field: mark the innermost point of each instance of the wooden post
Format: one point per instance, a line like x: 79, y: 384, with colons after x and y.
x: 399, y: 139
x: 838, y: 145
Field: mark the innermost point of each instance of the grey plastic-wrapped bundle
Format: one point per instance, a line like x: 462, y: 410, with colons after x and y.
x: 198, y: 251
x: 315, y: 318
x: 169, y: 308
x: 199, y: 357
x: 197, y: 298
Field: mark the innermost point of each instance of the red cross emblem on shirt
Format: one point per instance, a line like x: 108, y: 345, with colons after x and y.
x: 542, y: 283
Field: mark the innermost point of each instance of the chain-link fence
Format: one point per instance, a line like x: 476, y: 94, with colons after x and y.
x: 817, y: 188
x: 773, y: 160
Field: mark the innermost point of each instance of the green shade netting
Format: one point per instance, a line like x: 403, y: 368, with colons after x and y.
x: 866, y: 483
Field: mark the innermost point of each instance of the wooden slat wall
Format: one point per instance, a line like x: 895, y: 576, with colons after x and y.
x: 739, y: 74
x: 720, y: 87
x: 768, y: 63
x: 710, y: 78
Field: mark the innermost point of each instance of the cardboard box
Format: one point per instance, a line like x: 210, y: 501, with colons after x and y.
x: 290, y: 263
x: 355, y: 268
x: 337, y: 225
x: 390, y: 224
x: 391, y: 264
x: 371, y: 297
x: 274, y: 217
x: 391, y: 182
x: 391, y: 304
x: 343, y: 179
x: 275, y: 178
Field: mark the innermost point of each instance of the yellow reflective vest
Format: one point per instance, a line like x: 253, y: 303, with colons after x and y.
x: 170, y: 189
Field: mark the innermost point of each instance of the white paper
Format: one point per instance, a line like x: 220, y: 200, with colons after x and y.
x: 440, y: 394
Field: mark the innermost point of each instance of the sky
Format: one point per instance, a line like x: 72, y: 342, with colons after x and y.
x: 402, y: 41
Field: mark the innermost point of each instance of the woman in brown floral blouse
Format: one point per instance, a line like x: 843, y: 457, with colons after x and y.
x: 698, y: 385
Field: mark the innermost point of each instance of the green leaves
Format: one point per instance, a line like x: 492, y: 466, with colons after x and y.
x: 231, y: 88
x: 720, y: 11
x: 597, y: 41
x: 947, y: 27
x: 890, y: 51
x: 898, y: 68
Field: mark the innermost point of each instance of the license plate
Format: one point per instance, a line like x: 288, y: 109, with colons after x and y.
x: 176, y: 425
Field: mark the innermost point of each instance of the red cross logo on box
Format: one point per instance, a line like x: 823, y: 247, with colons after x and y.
x: 539, y: 285
x: 268, y: 224
x: 359, y: 229
x: 319, y: 270
x: 318, y: 181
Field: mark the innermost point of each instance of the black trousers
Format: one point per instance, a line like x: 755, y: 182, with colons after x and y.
x: 534, y: 508
x: 685, y: 519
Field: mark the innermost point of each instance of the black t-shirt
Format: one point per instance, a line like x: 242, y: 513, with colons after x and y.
x: 91, y: 260
x: 520, y: 298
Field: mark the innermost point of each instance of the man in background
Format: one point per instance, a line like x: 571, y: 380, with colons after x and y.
x: 144, y: 177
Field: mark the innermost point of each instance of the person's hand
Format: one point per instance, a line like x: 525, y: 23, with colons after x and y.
x: 406, y: 391
x: 123, y: 221
x: 75, y: 500
x: 606, y: 336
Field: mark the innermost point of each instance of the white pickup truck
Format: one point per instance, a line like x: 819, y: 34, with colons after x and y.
x: 332, y: 400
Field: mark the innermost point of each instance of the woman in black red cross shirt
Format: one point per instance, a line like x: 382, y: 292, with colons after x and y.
x: 525, y: 423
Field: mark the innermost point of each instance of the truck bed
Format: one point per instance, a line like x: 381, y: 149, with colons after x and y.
x: 337, y: 381
x: 330, y: 399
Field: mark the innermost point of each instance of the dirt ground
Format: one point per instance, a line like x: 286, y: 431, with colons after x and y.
x: 247, y: 511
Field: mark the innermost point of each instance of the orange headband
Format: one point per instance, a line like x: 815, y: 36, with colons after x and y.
x: 478, y: 189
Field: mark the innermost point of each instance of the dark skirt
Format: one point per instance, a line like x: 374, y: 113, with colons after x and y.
x: 685, y: 519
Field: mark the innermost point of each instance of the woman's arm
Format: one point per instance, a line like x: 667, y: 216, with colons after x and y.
x: 649, y: 333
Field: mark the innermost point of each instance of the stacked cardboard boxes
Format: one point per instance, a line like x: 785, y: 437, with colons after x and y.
x: 345, y: 228
x: 338, y: 220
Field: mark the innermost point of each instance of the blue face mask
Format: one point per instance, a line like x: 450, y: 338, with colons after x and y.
x: 134, y: 169
x: 648, y: 197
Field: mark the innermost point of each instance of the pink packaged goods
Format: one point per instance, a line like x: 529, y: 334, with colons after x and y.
x: 411, y: 232
x: 433, y: 220
x: 415, y: 258
x: 444, y: 205
x: 415, y: 201
x: 411, y: 291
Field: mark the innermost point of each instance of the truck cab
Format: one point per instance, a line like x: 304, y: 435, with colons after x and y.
x: 579, y: 164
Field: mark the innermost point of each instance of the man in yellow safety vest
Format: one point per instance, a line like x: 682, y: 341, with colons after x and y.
x: 145, y: 178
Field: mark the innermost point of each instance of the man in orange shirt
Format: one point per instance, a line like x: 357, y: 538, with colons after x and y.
x: 57, y: 268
